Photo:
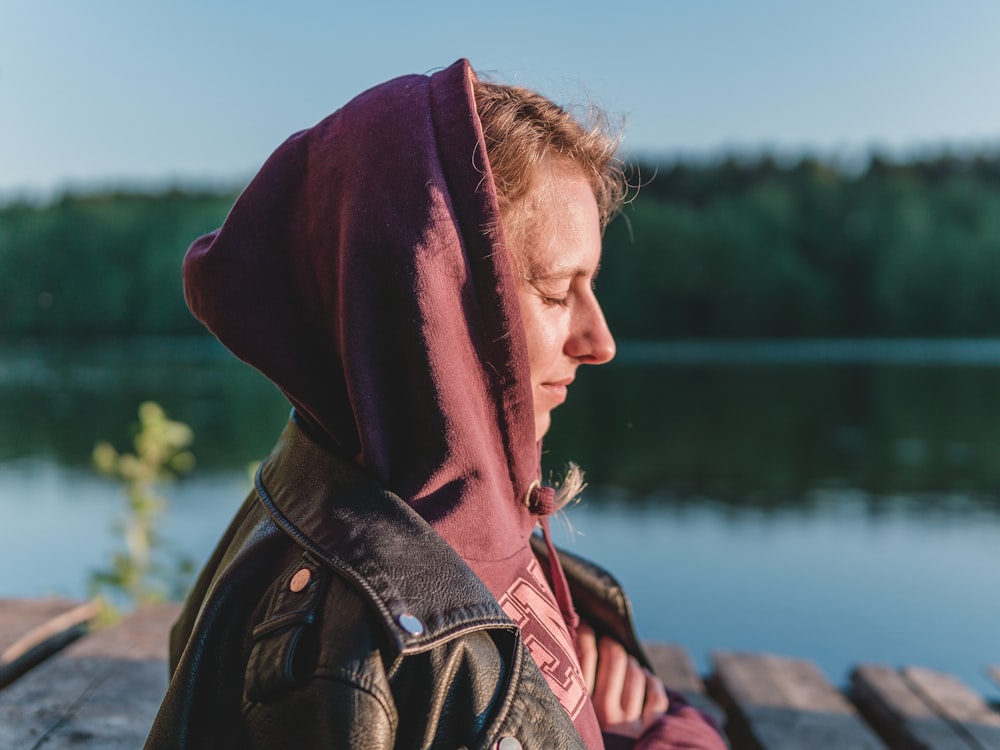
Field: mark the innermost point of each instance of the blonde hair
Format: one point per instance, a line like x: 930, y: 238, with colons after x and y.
x: 570, y: 487
x: 524, y: 131
x: 528, y: 137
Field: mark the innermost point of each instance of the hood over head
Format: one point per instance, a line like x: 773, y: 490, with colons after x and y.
x: 364, y: 271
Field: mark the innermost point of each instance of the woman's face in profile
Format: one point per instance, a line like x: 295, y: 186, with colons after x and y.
x: 559, y: 259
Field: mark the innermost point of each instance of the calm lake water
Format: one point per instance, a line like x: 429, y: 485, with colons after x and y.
x: 836, y: 501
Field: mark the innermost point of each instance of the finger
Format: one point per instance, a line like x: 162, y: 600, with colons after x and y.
x: 612, y: 664
x: 633, y: 691
x: 586, y: 648
x: 657, y: 701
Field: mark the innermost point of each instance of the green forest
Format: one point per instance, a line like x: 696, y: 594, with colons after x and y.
x: 736, y: 248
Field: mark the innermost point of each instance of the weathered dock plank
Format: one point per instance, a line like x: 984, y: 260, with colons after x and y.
x: 900, y: 713
x: 101, y: 693
x: 674, y: 666
x: 31, y: 630
x: 779, y: 703
x: 959, y: 704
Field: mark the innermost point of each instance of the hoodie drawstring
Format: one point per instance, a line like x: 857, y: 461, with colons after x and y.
x: 541, y: 500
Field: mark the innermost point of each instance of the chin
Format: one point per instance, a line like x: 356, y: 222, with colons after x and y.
x: 542, y: 422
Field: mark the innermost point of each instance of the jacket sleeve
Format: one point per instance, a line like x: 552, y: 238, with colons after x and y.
x: 327, y: 712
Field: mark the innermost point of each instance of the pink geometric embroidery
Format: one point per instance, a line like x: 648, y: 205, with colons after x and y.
x: 530, y: 603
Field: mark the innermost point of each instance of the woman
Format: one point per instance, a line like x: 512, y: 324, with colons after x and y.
x: 416, y: 274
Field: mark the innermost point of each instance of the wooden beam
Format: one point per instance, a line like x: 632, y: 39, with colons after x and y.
x: 102, y: 692
x: 959, y: 704
x: 31, y: 630
x: 674, y: 666
x: 899, y: 713
x: 777, y: 703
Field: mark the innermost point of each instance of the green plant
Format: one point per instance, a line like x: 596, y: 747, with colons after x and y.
x: 160, y: 456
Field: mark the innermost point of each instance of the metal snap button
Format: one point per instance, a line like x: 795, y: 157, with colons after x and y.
x: 508, y: 743
x: 410, y: 624
x: 300, y: 580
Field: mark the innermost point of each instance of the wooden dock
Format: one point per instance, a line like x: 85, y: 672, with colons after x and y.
x: 64, y: 685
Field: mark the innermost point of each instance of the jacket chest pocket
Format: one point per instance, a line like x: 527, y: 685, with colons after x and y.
x: 285, y: 643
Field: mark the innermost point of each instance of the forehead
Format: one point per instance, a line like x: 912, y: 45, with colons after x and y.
x: 563, y: 231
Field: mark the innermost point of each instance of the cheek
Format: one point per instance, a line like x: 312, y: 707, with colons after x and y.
x: 544, y: 342
x: 529, y: 317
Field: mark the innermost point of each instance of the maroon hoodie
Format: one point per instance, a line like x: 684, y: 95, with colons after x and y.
x: 364, y: 271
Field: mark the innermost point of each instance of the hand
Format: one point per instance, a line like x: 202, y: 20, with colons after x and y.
x: 626, y: 697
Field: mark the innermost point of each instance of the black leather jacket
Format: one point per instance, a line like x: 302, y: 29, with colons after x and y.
x: 331, y: 615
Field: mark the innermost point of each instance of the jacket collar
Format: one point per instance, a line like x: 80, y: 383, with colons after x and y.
x: 419, y: 585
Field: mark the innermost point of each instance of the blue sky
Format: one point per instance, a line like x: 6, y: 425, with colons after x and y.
x: 108, y: 92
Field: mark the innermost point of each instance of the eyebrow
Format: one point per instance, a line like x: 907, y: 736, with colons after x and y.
x: 560, y: 272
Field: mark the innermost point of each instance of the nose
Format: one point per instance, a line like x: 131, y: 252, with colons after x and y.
x: 590, y: 341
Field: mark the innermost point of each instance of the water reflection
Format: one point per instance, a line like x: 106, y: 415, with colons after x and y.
x: 57, y: 401
x: 741, y: 428
x: 766, y: 434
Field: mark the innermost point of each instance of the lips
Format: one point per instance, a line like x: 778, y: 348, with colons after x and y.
x: 556, y: 390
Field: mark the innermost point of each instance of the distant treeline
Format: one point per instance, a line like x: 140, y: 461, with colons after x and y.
x: 101, y: 264
x: 736, y: 248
